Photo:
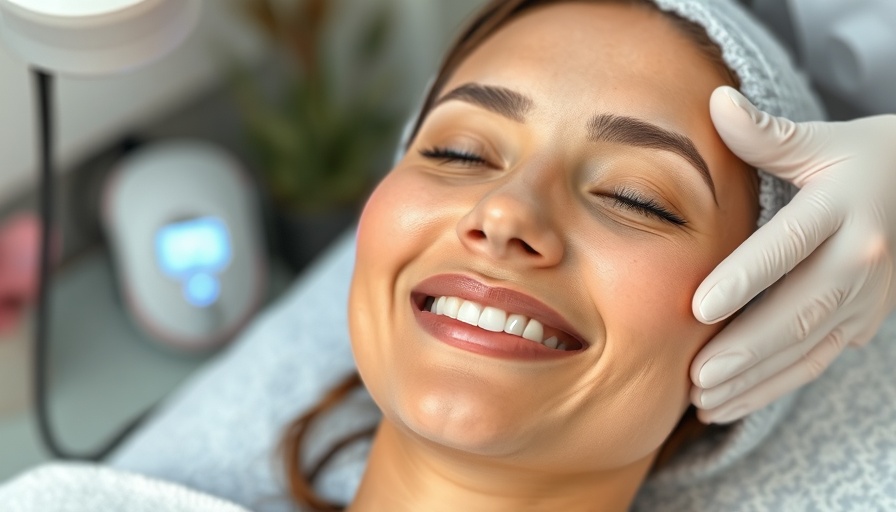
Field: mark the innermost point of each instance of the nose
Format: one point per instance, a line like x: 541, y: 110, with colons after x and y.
x: 511, y: 225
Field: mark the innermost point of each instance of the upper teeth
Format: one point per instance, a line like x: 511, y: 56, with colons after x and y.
x: 492, y: 319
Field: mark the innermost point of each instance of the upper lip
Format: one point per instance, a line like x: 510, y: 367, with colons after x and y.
x: 457, y: 285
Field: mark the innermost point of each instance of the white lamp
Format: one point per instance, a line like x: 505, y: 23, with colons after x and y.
x: 92, y: 37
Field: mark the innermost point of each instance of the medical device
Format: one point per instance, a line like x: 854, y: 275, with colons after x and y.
x: 183, y: 225
x: 83, y: 37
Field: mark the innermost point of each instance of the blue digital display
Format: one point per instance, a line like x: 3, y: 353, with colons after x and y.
x: 193, y: 252
x: 202, y: 290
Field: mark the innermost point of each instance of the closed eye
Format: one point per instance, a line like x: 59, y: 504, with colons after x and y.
x: 449, y: 155
x: 631, y: 200
x: 623, y: 198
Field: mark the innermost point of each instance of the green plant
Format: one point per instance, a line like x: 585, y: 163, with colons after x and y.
x: 317, y: 151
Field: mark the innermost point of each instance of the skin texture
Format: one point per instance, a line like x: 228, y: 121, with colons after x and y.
x: 464, y: 431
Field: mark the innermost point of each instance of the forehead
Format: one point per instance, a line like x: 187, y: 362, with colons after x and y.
x: 575, y: 59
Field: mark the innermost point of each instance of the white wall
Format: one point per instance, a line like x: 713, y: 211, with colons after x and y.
x: 90, y: 112
x: 424, y: 29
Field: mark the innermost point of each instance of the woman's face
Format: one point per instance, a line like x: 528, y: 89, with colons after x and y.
x: 512, y: 183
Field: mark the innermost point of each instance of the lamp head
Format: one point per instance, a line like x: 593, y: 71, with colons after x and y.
x: 94, y: 37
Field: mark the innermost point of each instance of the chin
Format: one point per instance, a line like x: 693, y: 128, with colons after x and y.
x: 473, y: 422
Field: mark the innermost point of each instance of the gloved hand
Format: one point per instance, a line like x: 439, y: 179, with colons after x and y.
x: 836, y: 241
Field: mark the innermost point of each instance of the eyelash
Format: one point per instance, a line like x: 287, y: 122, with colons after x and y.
x: 632, y: 200
x: 449, y: 155
x: 623, y: 197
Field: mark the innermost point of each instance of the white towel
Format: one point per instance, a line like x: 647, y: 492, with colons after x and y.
x: 70, y: 487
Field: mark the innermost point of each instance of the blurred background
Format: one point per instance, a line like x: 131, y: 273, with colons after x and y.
x: 306, y: 98
x: 309, y: 97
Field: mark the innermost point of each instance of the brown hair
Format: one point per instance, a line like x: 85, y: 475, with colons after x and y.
x: 490, y: 18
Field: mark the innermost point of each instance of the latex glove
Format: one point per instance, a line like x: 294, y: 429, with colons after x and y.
x: 836, y: 241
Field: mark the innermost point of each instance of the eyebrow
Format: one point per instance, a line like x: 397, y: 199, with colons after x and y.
x: 640, y: 133
x: 505, y: 102
x: 602, y: 127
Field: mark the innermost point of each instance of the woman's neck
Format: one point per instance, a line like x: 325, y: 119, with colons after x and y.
x: 408, y: 474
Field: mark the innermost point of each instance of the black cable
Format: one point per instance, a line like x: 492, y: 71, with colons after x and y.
x: 44, y: 89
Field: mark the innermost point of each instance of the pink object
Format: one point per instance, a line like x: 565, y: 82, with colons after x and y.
x: 19, y: 252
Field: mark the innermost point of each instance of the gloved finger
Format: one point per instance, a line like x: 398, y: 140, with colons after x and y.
x: 833, y: 333
x: 863, y: 339
x: 801, y: 372
x: 790, y: 312
x: 790, y: 150
x: 869, y: 332
x: 772, y: 251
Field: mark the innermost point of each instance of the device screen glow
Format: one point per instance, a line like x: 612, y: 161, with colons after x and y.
x: 194, y: 251
x: 196, y: 245
x: 202, y: 290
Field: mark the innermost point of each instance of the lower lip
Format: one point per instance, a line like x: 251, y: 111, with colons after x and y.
x: 477, y: 340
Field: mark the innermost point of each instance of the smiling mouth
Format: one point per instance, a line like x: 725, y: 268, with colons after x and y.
x: 497, y: 320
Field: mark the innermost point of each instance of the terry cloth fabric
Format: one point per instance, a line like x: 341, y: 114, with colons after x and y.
x: 71, y: 487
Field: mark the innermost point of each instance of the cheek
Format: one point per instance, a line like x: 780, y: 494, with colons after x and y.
x: 378, y: 237
x: 655, y: 294
x: 645, y: 294
x: 395, y: 227
x: 652, y: 337
x: 395, y: 213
